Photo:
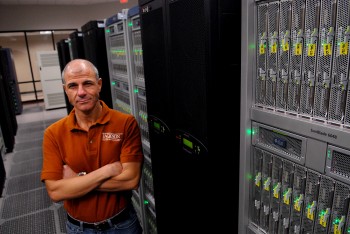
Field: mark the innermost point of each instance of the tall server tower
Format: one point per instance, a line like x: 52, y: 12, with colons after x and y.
x: 124, y: 50
x: 192, y: 68
x: 64, y: 58
x: 295, y: 102
x: 10, y: 77
x: 2, y: 166
x: 76, y: 45
x: 8, y: 122
x: 95, y: 52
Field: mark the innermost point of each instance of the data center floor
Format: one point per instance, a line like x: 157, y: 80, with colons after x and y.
x: 25, y: 206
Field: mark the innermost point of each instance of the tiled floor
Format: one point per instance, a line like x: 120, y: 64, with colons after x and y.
x: 25, y: 207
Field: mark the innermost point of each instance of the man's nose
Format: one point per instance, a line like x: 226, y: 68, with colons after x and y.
x: 81, y: 90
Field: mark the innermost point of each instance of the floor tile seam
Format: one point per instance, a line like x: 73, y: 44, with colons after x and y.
x: 30, y: 137
x: 8, y: 196
x: 7, y: 181
x: 24, y: 174
x: 27, y: 155
x: 33, y: 148
x: 24, y: 141
x: 4, y: 199
x: 26, y: 160
x: 26, y: 214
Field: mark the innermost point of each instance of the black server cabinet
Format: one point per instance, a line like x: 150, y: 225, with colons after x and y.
x: 95, y: 51
x: 2, y: 173
x: 7, y: 118
x: 64, y: 58
x: 11, y: 90
x: 10, y: 77
x: 158, y: 112
x: 63, y: 53
x: 76, y: 45
x: 192, y: 74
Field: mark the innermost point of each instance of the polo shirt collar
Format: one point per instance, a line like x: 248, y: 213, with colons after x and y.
x: 103, y: 119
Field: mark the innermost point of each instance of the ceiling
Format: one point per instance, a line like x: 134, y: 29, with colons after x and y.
x: 56, y: 2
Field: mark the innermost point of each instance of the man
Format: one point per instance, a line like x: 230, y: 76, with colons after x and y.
x: 92, y: 158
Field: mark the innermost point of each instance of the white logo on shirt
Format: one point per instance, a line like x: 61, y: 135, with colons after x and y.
x: 110, y: 136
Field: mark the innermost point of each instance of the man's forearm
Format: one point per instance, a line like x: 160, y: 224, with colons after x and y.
x: 73, y: 186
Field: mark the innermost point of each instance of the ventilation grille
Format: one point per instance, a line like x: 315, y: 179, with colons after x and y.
x: 49, y: 60
x: 338, y: 163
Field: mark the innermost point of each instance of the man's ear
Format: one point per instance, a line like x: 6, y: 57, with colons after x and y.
x: 100, y: 83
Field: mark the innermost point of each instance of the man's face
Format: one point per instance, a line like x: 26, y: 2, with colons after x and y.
x: 82, y: 88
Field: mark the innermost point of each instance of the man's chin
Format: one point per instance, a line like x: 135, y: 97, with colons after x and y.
x: 84, y: 105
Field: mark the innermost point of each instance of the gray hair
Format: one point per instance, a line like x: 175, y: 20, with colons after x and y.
x: 94, y: 68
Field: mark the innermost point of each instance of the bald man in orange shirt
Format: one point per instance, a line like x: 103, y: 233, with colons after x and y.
x: 92, y: 158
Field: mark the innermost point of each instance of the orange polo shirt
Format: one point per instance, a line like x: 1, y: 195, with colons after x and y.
x: 115, y: 136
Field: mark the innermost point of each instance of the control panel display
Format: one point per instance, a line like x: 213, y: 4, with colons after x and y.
x: 190, y: 144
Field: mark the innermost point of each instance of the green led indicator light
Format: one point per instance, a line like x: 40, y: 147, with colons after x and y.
x: 249, y: 176
x: 130, y: 24
x: 249, y: 131
x: 336, y: 221
x: 108, y: 31
x: 136, y: 90
x: 297, y: 199
x: 145, y: 202
x: 113, y: 83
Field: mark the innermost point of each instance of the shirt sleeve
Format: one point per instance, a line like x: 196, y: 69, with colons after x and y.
x: 132, y: 145
x: 52, y: 161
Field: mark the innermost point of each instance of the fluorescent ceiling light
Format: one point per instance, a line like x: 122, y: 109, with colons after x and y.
x: 45, y: 32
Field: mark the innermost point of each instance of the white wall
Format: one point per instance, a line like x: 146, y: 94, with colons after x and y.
x: 22, y: 17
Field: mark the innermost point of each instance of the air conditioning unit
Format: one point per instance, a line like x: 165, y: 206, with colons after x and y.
x: 50, y: 75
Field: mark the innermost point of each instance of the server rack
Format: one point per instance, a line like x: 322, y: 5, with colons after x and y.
x: 64, y: 57
x: 63, y: 52
x: 2, y: 166
x: 137, y: 74
x: 295, y: 142
x: 76, y: 45
x: 188, y: 52
x: 95, y: 52
x: 124, y: 50
x: 7, y: 118
x: 2, y: 153
x: 10, y: 76
x: 117, y: 52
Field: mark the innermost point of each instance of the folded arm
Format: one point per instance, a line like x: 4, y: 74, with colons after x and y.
x: 128, y: 179
x: 73, y: 186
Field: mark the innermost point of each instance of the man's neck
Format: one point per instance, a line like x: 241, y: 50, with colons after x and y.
x: 86, y: 119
